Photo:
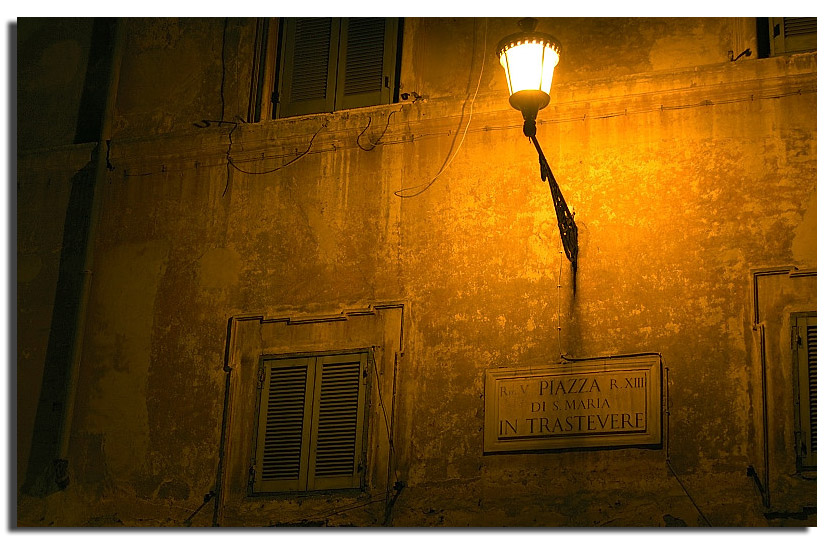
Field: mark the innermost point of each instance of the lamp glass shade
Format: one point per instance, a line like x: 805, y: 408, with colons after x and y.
x: 529, y: 65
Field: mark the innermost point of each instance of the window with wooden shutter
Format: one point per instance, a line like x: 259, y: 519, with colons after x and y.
x: 311, y: 423
x: 366, y: 62
x: 328, y: 64
x: 793, y: 34
x: 805, y: 333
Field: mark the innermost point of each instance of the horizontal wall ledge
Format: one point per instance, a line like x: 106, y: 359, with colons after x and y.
x: 278, y: 142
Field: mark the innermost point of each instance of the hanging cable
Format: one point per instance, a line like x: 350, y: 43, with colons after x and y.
x: 375, y: 498
x: 293, y: 160
x: 666, y: 372
x: 423, y: 187
x: 385, y: 416
x: 692, y: 501
x: 392, y: 461
x: 206, y: 499
x: 228, y: 160
x: 667, y: 411
x: 374, y: 144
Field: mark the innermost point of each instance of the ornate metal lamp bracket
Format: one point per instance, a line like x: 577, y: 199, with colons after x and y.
x: 565, y: 219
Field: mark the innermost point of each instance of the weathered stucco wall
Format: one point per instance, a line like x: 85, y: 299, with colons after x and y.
x: 685, y: 172
x: 182, y: 70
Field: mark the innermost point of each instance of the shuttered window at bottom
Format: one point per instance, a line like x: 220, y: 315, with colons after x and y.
x: 311, y: 423
x: 806, y: 355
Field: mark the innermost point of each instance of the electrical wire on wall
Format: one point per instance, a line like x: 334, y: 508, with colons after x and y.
x: 392, y: 460
x: 231, y: 163
x: 666, y: 371
x: 377, y: 142
x: 206, y: 123
x: 385, y: 414
x: 287, y: 164
x: 415, y: 190
x: 322, y: 516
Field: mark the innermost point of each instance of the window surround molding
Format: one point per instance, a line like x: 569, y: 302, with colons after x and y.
x: 778, y: 293
x: 377, y: 328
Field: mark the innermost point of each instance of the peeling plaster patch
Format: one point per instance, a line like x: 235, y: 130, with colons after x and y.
x: 176, y: 490
x: 162, y: 33
x: 219, y: 268
x: 736, y: 328
x: 531, y: 325
x: 732, y: 257
x: 804, y: 244
x: 321, y: 227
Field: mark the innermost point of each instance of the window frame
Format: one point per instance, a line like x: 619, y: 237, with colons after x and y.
x: 806, y: 461
x: 307, y: 481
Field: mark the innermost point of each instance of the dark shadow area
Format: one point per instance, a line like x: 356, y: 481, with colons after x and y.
x: 94, y: 95
x: 12, y: 261
x: 763, y: 41
x: 45, y: 474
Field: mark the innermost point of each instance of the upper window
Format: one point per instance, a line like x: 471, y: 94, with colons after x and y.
x: 805, y: 343
x: 320, y: 64
x: 793, y: 34
x: 311, y: 427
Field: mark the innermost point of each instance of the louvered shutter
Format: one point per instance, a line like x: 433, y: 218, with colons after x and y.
x: 367, y: 51
x: 793, y: 34
x: 338, y: 418
x: 284, y: 425
x: 309, y: 65
x: 807, y: 374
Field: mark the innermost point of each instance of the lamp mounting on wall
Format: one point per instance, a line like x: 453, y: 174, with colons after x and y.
x: 529, y: 59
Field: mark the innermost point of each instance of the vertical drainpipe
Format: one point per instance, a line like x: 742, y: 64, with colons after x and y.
x: 100, y: 174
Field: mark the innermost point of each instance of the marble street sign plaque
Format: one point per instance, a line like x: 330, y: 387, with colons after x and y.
x: 599, y: 403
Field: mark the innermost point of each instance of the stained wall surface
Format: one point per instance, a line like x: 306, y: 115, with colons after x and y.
x: 686, y: 171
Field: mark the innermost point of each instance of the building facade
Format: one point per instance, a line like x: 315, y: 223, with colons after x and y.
x: 269, y: 270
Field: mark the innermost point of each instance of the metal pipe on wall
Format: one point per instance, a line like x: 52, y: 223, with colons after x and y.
x: 100, y: 174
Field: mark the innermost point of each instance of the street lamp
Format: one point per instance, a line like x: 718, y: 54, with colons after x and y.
x: 529, y: 59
